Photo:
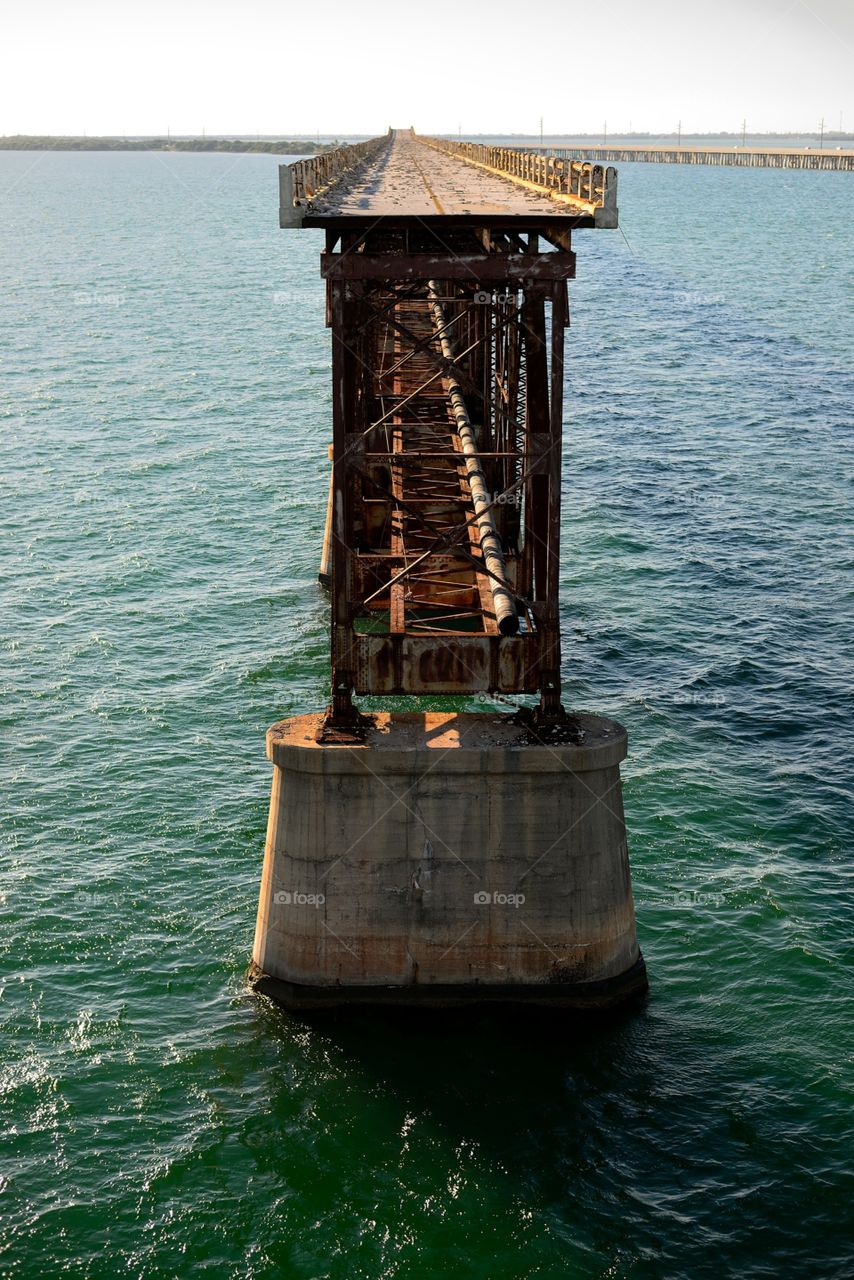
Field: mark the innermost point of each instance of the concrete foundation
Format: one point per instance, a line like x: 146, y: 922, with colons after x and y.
x: 445, y: 859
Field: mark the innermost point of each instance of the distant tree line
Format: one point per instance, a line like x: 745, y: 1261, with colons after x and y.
x: 292, y: 147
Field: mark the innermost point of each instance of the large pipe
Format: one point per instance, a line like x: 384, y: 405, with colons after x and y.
x: 325, y: 574
x: 503, y: 601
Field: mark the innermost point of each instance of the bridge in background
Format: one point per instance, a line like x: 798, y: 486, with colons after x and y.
x: 741, y: 157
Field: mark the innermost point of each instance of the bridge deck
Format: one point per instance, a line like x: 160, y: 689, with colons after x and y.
x: 412, y: 179
x: 409, y: 179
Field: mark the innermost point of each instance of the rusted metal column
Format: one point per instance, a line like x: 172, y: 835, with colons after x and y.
x: 344, y: 378
x: 542, y: 512
x: 504, y: 604
x: 537, y: 429
x: 550, y: 704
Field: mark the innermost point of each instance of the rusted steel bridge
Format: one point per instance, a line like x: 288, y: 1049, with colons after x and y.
x: 446, y: 283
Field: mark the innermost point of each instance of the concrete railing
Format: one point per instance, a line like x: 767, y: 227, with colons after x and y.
x: 591, y: 186
x: 301, y: 182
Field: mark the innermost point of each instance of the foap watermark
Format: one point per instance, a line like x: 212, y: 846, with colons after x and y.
x: 501, y: 499
x: 698, y: 898
x: 95, y: 898
x: 98, y: 299
x: 501, y: 702
x: 486, y: 898
x: 695, y: 498
x: 485, y: 297
x: 291, y: 898
x: 698, y: 298
x: 694, y: 698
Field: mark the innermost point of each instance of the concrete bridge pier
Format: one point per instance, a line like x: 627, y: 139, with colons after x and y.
x: 444, y: 859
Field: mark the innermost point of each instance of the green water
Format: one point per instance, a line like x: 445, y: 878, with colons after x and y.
x: 166, y: 411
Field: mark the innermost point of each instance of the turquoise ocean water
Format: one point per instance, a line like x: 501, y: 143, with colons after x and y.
x: 166, y: 410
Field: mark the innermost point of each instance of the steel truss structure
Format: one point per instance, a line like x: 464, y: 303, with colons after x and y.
x: 444, y: 514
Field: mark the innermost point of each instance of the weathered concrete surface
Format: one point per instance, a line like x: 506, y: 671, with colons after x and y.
x: 411, y: 178
x: 447, y: 857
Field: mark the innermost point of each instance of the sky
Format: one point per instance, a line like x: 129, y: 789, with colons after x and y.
x: 276, y: 67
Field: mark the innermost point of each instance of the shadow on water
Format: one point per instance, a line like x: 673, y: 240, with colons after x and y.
x: 513, y: 1080
x: 626, y: 1129
x: 465, y: 1066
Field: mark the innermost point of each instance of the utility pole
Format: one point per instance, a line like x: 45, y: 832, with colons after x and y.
x: 821, y: 133
x: 679, y: 135
x: 743, y: 130
x: 605, y: 134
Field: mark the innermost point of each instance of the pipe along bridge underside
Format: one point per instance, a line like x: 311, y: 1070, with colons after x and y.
x: 446, y: 272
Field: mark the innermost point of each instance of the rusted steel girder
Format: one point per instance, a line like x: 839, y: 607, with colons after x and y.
x: 443, y: 581
x: 443, y: 531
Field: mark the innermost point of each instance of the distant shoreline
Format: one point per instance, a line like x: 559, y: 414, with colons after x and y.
x: 308, y: 146
x: 594, y: 147
x: 272, y: 146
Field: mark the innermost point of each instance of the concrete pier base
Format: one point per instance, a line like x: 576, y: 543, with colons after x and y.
x: 448, y: 858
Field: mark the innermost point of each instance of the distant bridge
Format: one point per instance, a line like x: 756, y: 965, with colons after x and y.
x: 743, y: 157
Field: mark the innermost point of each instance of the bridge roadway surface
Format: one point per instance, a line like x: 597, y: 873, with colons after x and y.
x: 413, y: 179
